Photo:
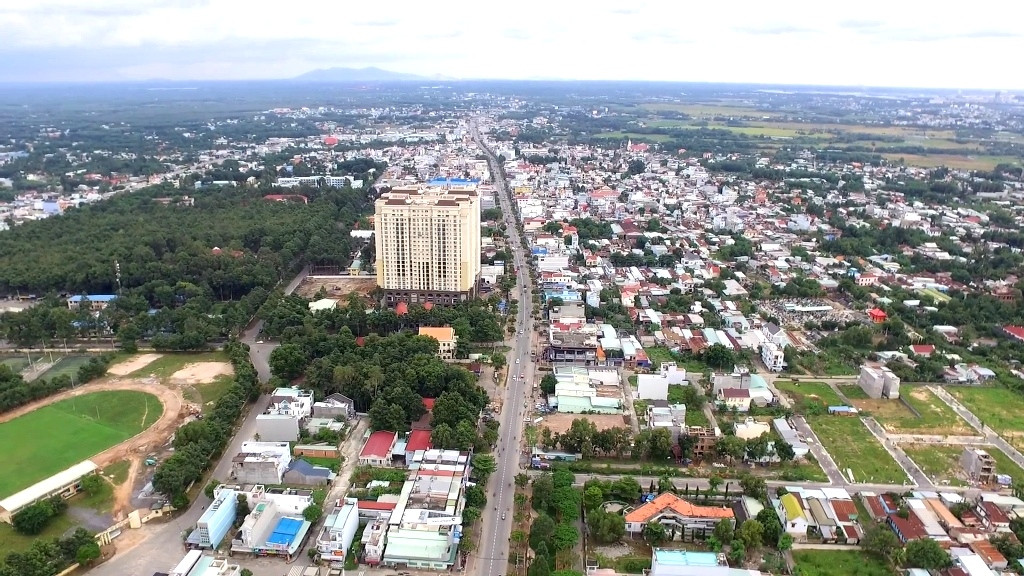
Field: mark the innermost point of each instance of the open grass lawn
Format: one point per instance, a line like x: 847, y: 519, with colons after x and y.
x: 711, y: 109
x: 1004, y: 465
x: 696, y: 418
x: 66, y: 366
x: 11, y: 541
x: 999, y: 408
x: 801, y: 392
x: 973, y: 162
x: 852, y: 446
x: 117, y: 472
x: 659, y: 354
x: 936, y: 417
x: 331, y: 463
x: 208, y: 394
x: 168, y: 364
x: 941, y: 462
x: 69, y: 431
x: 635, y: 136
x: 15, y: 363
x: 853, y: 392
x: 838, y: 563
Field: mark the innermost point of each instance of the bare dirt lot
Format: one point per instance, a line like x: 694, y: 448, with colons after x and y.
x: 202, y: 372
x: 337, y: 286
x: 559, y: 423
x: 132, y: 364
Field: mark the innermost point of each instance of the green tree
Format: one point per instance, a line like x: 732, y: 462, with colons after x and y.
x: 522, y: 480
x: 753, y: 486
x: 483, y: 466
x: 605, y: 527
x: 565, y: 537
x: 751, y: 533
x: 784, y: 450
x: 593, y: 497
x: 548, y: 383
x: 312, y: 513
x: 543, y: 490
x: 498, y: 361
x: 210, y: 487
x: 723, y: 531
x: 287, y: 361
x: 654, y: 533
x: 718, y: 356
x: 87, y: 553
x: 542, y: 530
x: 772, y: 528
x: 926, y: 553
x: 737, y: 553
x: 785, y: 542
x: 880, y: 541
x: 92, y: 484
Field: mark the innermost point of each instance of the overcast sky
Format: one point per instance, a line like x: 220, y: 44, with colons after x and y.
x: 937, y: 43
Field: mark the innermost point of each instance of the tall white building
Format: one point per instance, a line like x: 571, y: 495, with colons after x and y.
x: 428, y: 244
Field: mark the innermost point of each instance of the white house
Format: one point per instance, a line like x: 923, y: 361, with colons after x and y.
x: 773, y: 357
x: 655, y: 386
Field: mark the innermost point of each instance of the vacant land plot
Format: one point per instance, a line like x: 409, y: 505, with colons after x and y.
x: 838, y: 563
x: 999, y: 408
x: 203, y: 372
x: 805, y: 393
x: 978, y: 162
x: 12, y: 541
x: 853, y: 392
x: 560, y: 422
x: 66, y: 366
x: 132, y: 364
x: 165, y: 366
x: 1004, y: 465
x: 852, y: 446
x: 935, y: 416
x: 336, y: 286
x: 69, y: 431
x: 940, y: 462
x: 208, y: 393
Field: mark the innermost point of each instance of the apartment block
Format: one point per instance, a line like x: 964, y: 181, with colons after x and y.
x: 428, y: 244
x: 979, y: 465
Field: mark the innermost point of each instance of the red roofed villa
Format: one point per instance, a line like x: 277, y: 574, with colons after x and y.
x: 877, y: 316
x: 677, y: 515
x: 1015, y: 332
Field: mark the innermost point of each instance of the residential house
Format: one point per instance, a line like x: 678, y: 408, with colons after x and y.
x: 738, y: 398
x: 773, y: 357
x: 446, y: 339
x: 680, y: 518
x: 302, y: 473
x: 334, y: 406
x: 791, y: 514
x: 655, y: 386
x: 979, y: 465
x: 377, y: 449
x: 261, y: 463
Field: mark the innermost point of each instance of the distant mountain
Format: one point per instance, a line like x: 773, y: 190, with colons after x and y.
x: 370, y: 74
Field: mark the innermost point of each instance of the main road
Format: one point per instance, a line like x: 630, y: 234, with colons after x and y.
x: 491, y: 556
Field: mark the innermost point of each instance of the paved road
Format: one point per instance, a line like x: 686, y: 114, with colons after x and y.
x: 162, y: 549
x: 991, y: 435
x: 835, y: 475
x: 910, y: 468
x: 491, y: 556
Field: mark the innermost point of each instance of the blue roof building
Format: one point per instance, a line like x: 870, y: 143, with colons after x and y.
x: 215, y: 522
x: 96, y: 301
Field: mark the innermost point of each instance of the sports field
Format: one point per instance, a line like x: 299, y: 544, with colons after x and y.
x: 54, y: 437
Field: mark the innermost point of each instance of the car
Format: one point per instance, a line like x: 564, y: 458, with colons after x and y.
x: 517, y: 360
x: 502, y: 515
x: 521, y: 332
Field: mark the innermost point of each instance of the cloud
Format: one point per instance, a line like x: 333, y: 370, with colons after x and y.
x: 599, y: 39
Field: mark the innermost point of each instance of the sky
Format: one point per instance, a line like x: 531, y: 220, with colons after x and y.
x: 911, y: 43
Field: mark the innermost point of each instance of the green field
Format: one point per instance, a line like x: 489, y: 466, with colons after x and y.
x: 853, y: 392
x: 11, y: 541
x: 852, y: 446
x: 15, y: 363
x: 838, y: 563
x: 940, y: 462
x: 66, y: 366
x: 999, y: 408
x: 936, y: 417
x: 635, y: 136
x: 64, y: 433
x: 168, y: 364
x: 1004, y: 465
x: 805, y: 392
x: 207, y: 394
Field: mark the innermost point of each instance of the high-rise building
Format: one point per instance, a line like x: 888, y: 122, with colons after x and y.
x: 428, y: 244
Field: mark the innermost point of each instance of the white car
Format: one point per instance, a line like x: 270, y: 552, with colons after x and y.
x: 517, y: 360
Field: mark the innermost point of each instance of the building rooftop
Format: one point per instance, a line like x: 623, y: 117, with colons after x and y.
x: 439, y: 333
x: 29, y: 495
x: 685, y: 558
x: 378, y: 445
x: 669, y: 501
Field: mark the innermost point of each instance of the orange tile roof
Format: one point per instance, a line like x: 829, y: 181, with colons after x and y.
x: 441, y: 334
x: 669, y: 501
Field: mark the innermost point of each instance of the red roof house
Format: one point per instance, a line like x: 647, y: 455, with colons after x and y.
x: 378, y: 448
x: 877, y: 316
x: 418, y: 440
